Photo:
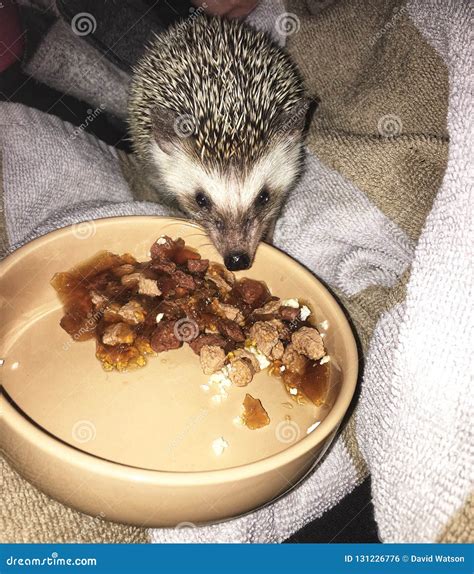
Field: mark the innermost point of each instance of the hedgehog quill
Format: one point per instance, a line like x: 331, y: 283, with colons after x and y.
x: 216, y: 116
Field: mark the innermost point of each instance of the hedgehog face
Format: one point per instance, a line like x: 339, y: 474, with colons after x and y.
x: 218, y: 109
x: 236, y: 206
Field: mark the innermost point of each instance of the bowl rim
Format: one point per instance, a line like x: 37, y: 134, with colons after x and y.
x: 47, y: 442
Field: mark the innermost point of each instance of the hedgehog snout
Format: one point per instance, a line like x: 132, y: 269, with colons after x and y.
x: 237, y: 260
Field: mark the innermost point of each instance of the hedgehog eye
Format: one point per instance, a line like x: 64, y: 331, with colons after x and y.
x: 202, y: 200
x: 263, y: 197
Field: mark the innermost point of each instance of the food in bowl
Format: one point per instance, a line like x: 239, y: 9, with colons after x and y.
x: 236, y: 326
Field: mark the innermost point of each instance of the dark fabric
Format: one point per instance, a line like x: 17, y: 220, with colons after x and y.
x: 15, y: 86
x: 114, y: 36
x: 350, y: 521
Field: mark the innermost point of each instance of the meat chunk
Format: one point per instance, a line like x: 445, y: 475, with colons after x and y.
x: 283, y: 331
x: 269, y: 308
x: 241, y: 372
x: 163, y: 266
x: 164, y: 247
x: 294, y: 361
x: 308, y: 341
x: 210, y: 339
x: 220, y: 283
x: 254, y: 293
x: 227, y: 311
x: 125, y: 269
x: 148, y: 287
x: 244, y: 354
x: 289, y: 313
x: 145, y: 285
x: 277, y: 351
x: 212, y: 358
x: 218, y: 269
x: 184, y: 280
x: 265, y: 336
x: 231, y: 330
x: 164, y: 337
x: 132, y: 313
x: 198, y: 266
x: 118, y: 334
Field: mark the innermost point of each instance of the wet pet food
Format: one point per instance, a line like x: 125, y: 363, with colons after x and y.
x: 135, y: 310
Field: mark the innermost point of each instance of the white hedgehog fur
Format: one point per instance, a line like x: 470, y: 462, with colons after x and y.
x: 246, y: 102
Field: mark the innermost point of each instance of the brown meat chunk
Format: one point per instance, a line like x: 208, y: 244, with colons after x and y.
x: 163, y: 266
x: 212, y: 358
x: 130, y: 280
x: 265, y: 336
x: 118, y: 334
x: 289, y: 313
x: 244, y: 354
x: 254, y: 293
x: 217, y: 269
x: 269, y: 308
x: 125, y: 269
x: 184, y: 280
x: 241, y: 372
x: 294, y: 361
x: 277, y: 351
x: 164, y: 247
x: 231, y: 330
x: 220, y: 283
x: 132, y: 313
x: 207, y: 339
x: 308, y: 341
x: 164, y: 337
x: 198, y: 266
x: 283, y: 331
x: 227, y: 311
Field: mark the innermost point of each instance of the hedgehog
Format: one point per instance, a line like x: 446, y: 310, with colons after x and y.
x: 216, y: 115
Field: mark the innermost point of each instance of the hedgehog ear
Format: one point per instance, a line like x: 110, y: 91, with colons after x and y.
x: 170, y: 130
x: 295, y: 120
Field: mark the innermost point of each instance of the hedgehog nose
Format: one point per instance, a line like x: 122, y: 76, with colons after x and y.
x: 237, y: 260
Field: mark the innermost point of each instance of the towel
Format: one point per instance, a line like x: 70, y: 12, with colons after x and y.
x: 382, y: 214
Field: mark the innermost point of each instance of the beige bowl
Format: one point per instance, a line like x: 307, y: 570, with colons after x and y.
x: 137, y: 447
